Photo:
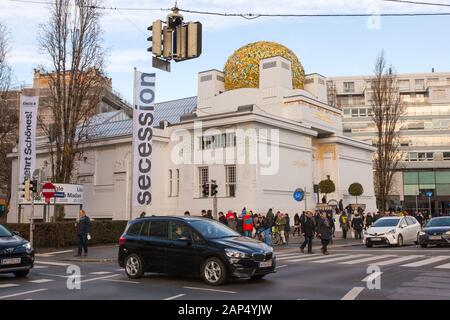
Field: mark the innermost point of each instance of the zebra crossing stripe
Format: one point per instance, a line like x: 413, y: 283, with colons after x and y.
x: 291, y: 256
x: 368, y: 259
x: 313, y: 257
x: 398, y: 260
x: 444, y: 266
x: 342, y: 258
x: 426, y: 261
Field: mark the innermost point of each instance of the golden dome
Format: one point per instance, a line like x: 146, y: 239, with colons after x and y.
x: 242, y: 67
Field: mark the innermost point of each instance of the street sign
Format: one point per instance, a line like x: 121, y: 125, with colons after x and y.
x: 60, y: 195
x: 48, y: 191
x: 161, y: 64
x: 299, y: 194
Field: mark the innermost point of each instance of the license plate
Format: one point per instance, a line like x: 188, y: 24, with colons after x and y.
x: 265, y: 264
x: 375, y: 239
x: 435, y: 238
x: 6, y: 262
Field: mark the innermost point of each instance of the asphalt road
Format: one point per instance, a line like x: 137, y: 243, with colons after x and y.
x: 403, y: 273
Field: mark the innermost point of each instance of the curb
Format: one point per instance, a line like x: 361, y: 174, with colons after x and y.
x: 89, y: 260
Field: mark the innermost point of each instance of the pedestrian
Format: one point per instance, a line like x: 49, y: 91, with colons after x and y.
x: 244, y: 212
x: 419, y: 218
x: 345, y: 224
x: 256, y: 226
x: 209, y: 214
x: 287, y: 227
x: 247, y: 224
x: 280, y: 222
x: 204, y: 215
x: 231, y: 220
x: 341, y: 206
x: 222, y: 218
x: 324, y: 199
x: 187, y: 213
x: 142, y: 215
x: 324, y: 232
x: 307, y: 230
x: 357, y: 225
x: 83, y: 229
x: 296, y: 225
x: 267, y: 228
x: 369, y: 220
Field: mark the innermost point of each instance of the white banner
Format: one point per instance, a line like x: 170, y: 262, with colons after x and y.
x: 144, y: 106
x: 27, y: 136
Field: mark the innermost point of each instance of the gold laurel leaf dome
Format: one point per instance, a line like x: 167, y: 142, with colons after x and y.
x: 242, y: 68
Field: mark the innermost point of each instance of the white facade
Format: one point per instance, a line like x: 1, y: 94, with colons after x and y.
x: 302, y: 134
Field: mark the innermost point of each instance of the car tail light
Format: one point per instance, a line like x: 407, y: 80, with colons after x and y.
x: 122, y: 240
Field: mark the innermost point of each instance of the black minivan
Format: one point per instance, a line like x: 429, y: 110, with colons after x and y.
x: 192, y: 246
x: 16, y: 253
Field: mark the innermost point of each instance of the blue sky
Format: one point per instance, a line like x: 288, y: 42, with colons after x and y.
x: 330, y: 46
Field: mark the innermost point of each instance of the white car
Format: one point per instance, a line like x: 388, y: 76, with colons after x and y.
x: 394, y: 231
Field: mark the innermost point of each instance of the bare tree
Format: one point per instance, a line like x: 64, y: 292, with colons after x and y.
x: 9, y: 123
x: 72, y: 40
x: 387, y: 110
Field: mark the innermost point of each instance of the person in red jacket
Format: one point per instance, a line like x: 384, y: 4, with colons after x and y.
x: 247, y: 224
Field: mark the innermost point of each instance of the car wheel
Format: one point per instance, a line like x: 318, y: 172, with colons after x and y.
x: 214, y: 272
x: 400, y: 241
x: 257, y: 277
x: 134, y: 266
x: 369, y: 245
x: 424, y: 245
x: 21, y: 273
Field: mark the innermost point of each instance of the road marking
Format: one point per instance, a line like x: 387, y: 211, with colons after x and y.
x: 283, y: 256
x: 99, y: 273
x: 51, y: 254
x: 444, y: 266
x: 398, y: 260
x: 100, y: 278
x: 51, y: 263
x: 372, y: 277
x: 41, y: 281
x: 122, y: 281
x: 120, y: 270
x: 341, y: 258
x: 59, y: 276
x: 8, y: 285
x: 284, y: 265
x: 426, y: 261
x: 367, y: 259
x: 40, y: 267
x: 352, y: 294
x: 207, y: 289
x: 175, y: 297
x: 314, y: 257
x: 22, y: 293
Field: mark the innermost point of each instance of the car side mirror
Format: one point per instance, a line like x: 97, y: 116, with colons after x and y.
x: 16, y: 233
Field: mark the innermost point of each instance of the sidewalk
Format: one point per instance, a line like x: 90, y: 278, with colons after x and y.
x: 100, y: 253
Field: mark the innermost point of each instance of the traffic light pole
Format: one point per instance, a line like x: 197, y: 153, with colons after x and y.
x: 32, y: 219
x: 215, y: 206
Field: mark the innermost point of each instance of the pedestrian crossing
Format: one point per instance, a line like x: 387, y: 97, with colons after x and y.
x: 348, y: 259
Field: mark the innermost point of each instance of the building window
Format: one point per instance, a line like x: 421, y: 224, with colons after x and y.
x: 223, y: 140
x: 170, y: 183
x: 203, y: 178
x: 355, y: 113
x: 230, y: 180
x: 363, y: 112
x: 446, y: 155
x: 349, y: 87
x: 420, y: 84
x: 178, y: 183
x: 420, y: 156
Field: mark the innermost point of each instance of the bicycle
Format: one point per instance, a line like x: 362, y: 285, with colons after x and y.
x: 275, y: 236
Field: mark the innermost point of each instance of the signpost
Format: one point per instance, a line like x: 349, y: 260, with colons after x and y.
x: 48, y: 191
x: 299, y: 195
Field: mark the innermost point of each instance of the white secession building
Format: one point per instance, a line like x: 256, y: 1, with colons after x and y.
x: 301, y: 134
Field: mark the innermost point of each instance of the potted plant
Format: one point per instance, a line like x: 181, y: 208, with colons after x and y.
x: 356, y: 190
x: 327, y: 186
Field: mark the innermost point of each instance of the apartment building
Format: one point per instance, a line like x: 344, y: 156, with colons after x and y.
x: 424, y: 177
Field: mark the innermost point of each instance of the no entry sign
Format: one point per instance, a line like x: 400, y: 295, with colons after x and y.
x: 48, y: 191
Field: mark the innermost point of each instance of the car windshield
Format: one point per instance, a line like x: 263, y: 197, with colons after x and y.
x: 442, y: 222
x: 386, y: 223
x: 4, y: 232
x: 212, y: 230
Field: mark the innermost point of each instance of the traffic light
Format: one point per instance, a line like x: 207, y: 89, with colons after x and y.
x: 214, y: 187
x: 156, y: 38
x: 27, y: 190
x: 180, y: 43
x: 205, y: 190
x: 194, y: 39
x: 167, y: 43
x: 34, y: 186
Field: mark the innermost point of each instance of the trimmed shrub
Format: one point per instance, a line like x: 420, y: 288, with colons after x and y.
x: 62, y: 234
x: 327, y: 186
x: 355, y: 189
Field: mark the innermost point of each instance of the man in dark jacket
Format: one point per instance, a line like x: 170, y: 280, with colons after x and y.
x: 83, y: 229
x: 357, y: 225
x: 307, y: 230
x: 324, y: 232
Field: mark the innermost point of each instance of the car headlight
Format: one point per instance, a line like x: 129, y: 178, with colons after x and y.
x: 27, y: 246
x: 231, y: 253
x: 421, y: 233
x: 391, y: 231
x: 448, y: 233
